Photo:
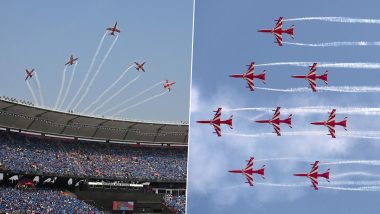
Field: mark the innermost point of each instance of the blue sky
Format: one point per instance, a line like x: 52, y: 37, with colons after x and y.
x: 225, y: 41
x: 43, y: 34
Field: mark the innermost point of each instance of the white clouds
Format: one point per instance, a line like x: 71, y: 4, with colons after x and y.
x: 211, y: 157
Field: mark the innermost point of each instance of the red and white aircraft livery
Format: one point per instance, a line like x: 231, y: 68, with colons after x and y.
x: 277, y: 31
x: 276, y: 121
x: 140, y: 66
x: 250, y: 65
x: 216, y: 122
x: 113, y: 29
x: 71, y: 60
x: 313, y: 175
x: 331, y: 123
x: 312, y: 77
x: 29, y: 74
x: 248, y: 171
x: 249, y: 76
x: 168, y: 84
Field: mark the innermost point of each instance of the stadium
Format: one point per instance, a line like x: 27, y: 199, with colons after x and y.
x: 59, y: 162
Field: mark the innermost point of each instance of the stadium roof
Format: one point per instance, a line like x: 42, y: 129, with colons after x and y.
x: 18, y: 116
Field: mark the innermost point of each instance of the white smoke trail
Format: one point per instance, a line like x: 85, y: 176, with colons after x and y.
x: 269, y: 134
x: 334, y: 44
x: 344, y: 162
x: 32, y: 92
x: 129, y: 99
x: 353, y: 65
x: 262, y: 109
x: 88, y: 71
x: 337, y: 19
x: 364, y: 188
x: 303, y: 89
x: 109, y: 88
x: 353, y: 183
x: 69, y: 86
x: 96, y: 73
x: 361, y: 188
x: 343, y: 89
x: 139, y: 103
x: 351, y: 174
x: 351, y: 134
x: 39, y: 89
x: 115, y: 94
x: 281, y: 185
x: 257, y: 117
x: 61, y: 88
x: 315, y: 110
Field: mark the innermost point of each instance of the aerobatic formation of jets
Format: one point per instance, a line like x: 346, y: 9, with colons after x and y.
x: 276, y: 121
x: 313, y: 175
x: 311, y: 77
x: 73, y: 60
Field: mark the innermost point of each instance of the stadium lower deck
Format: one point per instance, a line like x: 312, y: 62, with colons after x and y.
x: 63, y: 173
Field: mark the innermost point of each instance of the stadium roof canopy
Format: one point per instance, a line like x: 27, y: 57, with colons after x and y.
x: 22, y: 117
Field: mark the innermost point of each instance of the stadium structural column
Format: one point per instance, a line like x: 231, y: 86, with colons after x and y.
x: 128, y: 129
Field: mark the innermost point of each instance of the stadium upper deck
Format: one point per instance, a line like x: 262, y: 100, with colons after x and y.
x: 23, y: 117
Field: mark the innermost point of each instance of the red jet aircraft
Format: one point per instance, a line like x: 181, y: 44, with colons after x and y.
x: 313, y: 175
x: 248, y: 171
x: 140, y: 66
x: 29, y: 74
x: 168, y: 84
x: 216, y: 122
x: 275, y: 121
x: 312, y: 77
x: 113, y: 30
x: 249, y: 76
x: 330, y: 123
x: 277, y: 31
x: 71, y: 60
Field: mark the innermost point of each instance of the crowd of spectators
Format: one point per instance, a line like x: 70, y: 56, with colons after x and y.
x: 43, y: 155
x: 14, y: 200
x: 175, y: 203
